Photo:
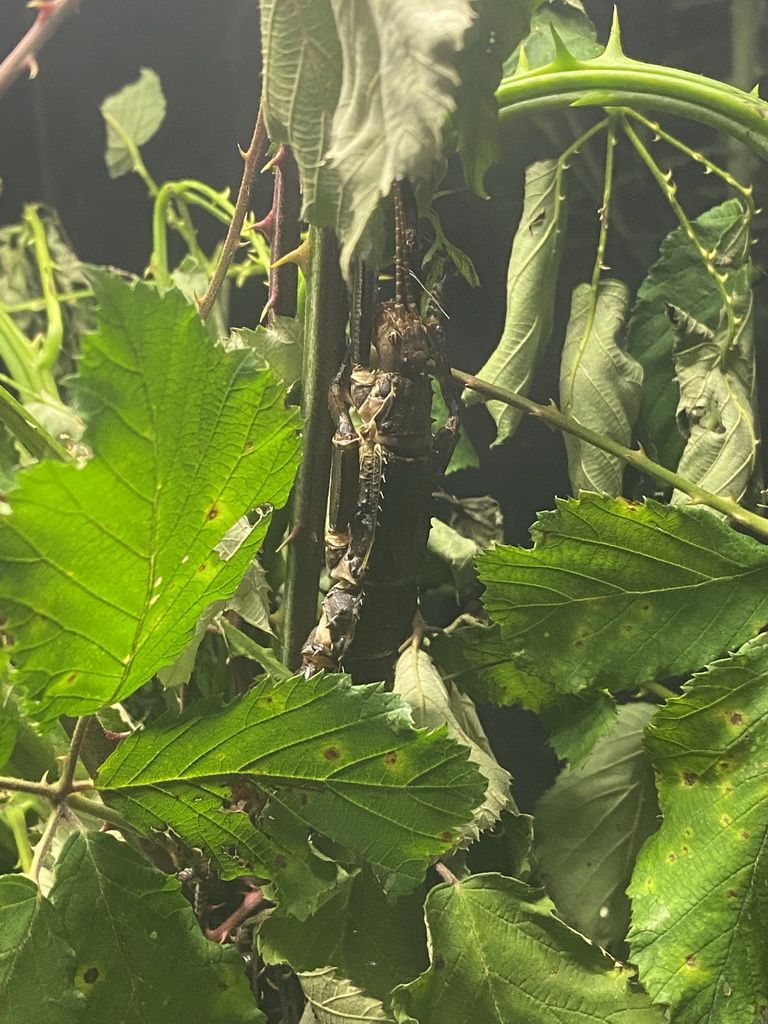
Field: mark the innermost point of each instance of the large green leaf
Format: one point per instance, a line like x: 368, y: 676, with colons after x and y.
x: 589, y: 827
x: 37, y: 963
x: 141, y: 956
x: 139, y: 109
x: 571, y: 23
x: 599, y: 384
x: 375, y: 942
x: 302, y: 82
x: 699, y: 890
x: 499, y: 955
x: 106, y: 568
x: 531, y: 283
x: 717, y: 408
x: 354, y: 768
x: 333, y: 999
x: 679, y: 277
x: 614, y: 593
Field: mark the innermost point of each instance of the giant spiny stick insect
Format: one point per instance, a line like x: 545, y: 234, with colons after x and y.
x: 383, y: 473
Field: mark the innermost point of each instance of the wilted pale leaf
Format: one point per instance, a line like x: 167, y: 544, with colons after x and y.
x: 698, y: 891
x: 107, y: 568
x: 590, y: 825
x: 335, y: 1000
x: 614, y: 593
x: 499, y: 955
x: 678, y: 277
x: 278, y: 347
x: 141, y: 956
x: 599, y: 384
x: 716, y: 411
x: 138, y: 109
x: 436, y: 703
x: 531, y: 282
x: 343, y: 761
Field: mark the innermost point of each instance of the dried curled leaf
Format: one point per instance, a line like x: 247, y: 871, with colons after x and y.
x: 600, y: 384
x: 716, y: 411
x: 531, y: 281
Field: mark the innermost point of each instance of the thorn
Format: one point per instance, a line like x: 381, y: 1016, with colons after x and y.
x: 33, y: 66
x: 613, y: 49
x: 276, y: 160
x: 522, y: 61
x: 44, y: 7
x: 563, y: 57
x: 298, y: 256
x: 295, y: 531
x: 269, y: 305
x: 267, y: 225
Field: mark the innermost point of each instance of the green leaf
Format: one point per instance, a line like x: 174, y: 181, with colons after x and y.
x: 241, y: 645
x: 332, y: 999
x: 278, y: 347
x: 37, y: 964
x: 499, y: 953
x: 679, y: 277
x: 600, y: 384
x: 615, y: 593
x: 464, y: 455
x: 505, y: 848
x: 436, y: 703
x: 531, y: 283
x: 9, y: 723
x: 458, y: 554
x: 302, y: 80
x: 576, y: 721
x: 590, y: 825
x: 140, y: 953
x: 375, y: 942
x: 496, y: 31
x: 698, y: 891
x: 572, y: 25
x: 106, y: 568
x: 480, y: 663
x: 355, y: 769
x: 138, y: 109
x: 717, y: 408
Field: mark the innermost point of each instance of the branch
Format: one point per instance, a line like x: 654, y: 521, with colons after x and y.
x: 253, y: 157
x: 555, y: 419
x: 49, y: 16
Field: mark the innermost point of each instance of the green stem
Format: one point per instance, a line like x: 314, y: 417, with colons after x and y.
x: 659, y: 690
x: 54, y: 336
x: 98, y: 810
x: 35, y: 305
x: 613, y: 80
x: 17, y: 822
x: 324, y: 337
x: 555, y: 419
x: 133, y: 151
x: 25, y: 428
x: 17, y: 354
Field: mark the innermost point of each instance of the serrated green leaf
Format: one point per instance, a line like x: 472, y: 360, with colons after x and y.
x: 572, y: 25
x: 615, y: 593
x: 698, y: 891
x: 108, y: 567
x: 576, y: 721
x: 139, y: 109
x: 278, y: 347
x: 716, y: 411
x: 140, y: 953
x: 354, y: 768
x: 499, y: 953
x: 498, y: 28
x: 677, y: 277
x: 590, y: 825
x: 375, y: 942
x: 435, y: 703
x: 531, y: 283
x: 599, y: 384
x: 480, y: 663
x: 302, y: 81
x: 37, y: 963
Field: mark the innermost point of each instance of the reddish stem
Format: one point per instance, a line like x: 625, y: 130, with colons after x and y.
x: 50, y: 15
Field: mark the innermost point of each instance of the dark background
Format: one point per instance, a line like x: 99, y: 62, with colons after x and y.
x: 207, y: 53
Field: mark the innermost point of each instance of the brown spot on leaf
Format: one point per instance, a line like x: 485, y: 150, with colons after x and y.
x: 725, y: 819
x: 390, y: 758
x: 688, y: 832
x: 744, y: 834
x: 725, y: 765
x: 690, y: 778
x: 331, y: 753
x: 672, y: 856
x: 91, y: 975
x: 628, y: 628
x: 684, y: 849
x: 280, y: 861
x: 733, y: 894
x: 213, y: 513
x: 222, y: 986
x: 646, y: 608
x: 737, y: 718
x: 202, y: 568
x: 248, y: 445
x: 578, y: 643
x: 72, y: 677
x: 447, y: 837
x: 691, y: 961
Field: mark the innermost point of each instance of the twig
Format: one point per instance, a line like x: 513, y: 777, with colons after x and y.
x: 70, y: 762
x: 46, y: 841
x: 253, y: 157
x: 446, y: 874
x: 43, y: 789
x: 251, y: 900
x: 637, y: 458
x: 49, y: 17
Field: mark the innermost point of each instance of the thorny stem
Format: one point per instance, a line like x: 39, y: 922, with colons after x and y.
x: 46, y: 841
x: 446, y: 874
x: 70, y: 762
x: 23, y: 55
x: 286, y: 235
x: 252, y: 157
x: 557, y: 421
x: 54, y: 335
x: 325, y: 324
